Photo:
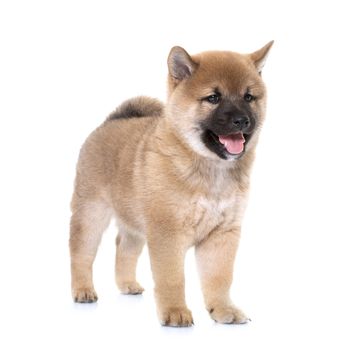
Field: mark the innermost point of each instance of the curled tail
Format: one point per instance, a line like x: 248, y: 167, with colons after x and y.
x: 137, y: 107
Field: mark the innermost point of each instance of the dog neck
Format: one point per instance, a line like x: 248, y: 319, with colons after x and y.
x: 196, y: 170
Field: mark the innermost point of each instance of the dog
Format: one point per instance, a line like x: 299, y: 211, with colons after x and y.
x: 174, y: 176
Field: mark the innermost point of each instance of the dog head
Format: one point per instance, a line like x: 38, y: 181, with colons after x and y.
x: 217, y: 100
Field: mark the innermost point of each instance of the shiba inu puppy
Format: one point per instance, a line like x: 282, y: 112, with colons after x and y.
x: 173, y: 176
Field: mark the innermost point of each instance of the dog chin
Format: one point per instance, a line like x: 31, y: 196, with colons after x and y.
x: 232, y: 157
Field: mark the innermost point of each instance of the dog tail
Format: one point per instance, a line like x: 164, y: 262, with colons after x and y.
x: 137, y: 107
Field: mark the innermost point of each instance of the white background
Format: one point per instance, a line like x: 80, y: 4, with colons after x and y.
x: 65, y: 65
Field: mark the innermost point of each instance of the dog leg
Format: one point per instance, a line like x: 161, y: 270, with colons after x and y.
x: 215, y: 258
x: 88, y: 222
x: 129, y: 248
x: 167, y: 255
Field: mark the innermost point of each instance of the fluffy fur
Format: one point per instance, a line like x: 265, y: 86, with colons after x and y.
x: 151, y: 167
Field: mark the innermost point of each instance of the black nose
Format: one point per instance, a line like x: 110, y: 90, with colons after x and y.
x: 241, y: 122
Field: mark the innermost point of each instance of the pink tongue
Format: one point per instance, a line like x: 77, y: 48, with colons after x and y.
x: 233, y: 143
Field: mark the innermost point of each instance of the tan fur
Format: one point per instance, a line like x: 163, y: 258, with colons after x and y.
x: 165, y: 190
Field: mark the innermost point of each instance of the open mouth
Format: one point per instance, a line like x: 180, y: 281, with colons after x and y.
x: 233, y: 144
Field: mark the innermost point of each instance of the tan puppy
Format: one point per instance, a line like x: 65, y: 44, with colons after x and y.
x: 173, y: 176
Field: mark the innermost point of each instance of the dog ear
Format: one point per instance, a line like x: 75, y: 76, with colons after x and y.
x: 259, y: 57
x: 180, y: 64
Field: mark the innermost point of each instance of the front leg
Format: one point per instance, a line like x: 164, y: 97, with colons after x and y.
x: 167, y: 252
x: 215, y: 259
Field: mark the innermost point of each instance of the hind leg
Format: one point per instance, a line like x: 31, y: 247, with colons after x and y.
x: 129, y: 248
x: 88, y: 222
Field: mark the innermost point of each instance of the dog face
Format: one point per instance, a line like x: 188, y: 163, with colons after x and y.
x: 217, y: 100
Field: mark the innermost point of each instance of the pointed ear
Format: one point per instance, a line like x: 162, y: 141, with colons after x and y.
x: 259, y: 57
x: 180, y: 64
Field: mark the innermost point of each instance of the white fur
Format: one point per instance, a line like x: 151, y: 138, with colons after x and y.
x: 194, y: 140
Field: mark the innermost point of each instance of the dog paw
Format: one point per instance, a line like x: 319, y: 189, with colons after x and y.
x: 131, y: 288
x: 84, y: 295
x: 228, y: 314
x: 177, y: 317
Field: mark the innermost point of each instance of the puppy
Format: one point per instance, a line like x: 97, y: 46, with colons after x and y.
x: 174, y: 176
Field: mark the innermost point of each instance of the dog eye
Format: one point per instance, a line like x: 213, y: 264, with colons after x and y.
x: 213, y: 99
x: 248, y: 97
